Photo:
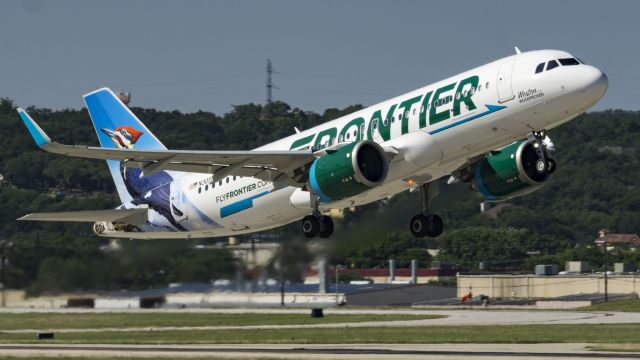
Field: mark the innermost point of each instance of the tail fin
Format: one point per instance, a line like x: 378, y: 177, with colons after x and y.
x: 110, y: 115
x: 118, y: 127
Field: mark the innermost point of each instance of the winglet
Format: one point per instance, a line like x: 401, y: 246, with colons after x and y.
x: 39, y: 136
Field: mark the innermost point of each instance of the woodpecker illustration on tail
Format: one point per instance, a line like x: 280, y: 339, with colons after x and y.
x: 154, y: 190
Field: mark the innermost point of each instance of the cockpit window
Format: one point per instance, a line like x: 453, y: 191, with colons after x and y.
x: 552, y: 65
x: 569, y: 61
x: 539, y: 68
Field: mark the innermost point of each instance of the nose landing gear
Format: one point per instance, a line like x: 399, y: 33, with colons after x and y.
x: 544, y: 164
x: 426, y: 223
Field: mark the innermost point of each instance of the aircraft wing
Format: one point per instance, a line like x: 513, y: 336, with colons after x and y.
x: 132, y: 216
x: 289, y: 167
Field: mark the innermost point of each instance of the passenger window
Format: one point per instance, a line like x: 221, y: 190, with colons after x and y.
x: 348, y: 136
x: 206, y: 188
x: 227, y: 180
x: 375, y: 124
x: 414, y: 111
x: 220, y: 183
x: 385, y: 121
x: 552, y: 65
x: 479, y: 87
x: 341, y: 138
x: 486, y: 86
x: 568, y: 62
x: 234, y: 178
x: 199, y: 190
x: 540, y: 68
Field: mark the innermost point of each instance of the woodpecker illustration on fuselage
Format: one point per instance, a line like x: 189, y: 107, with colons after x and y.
x: 486, y: 126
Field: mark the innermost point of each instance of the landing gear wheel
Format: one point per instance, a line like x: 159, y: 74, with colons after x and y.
x: 551, y: 166
x: 326, y: 226
x: 419, y: 226
x: 434, y: 225
x: 310, y: 226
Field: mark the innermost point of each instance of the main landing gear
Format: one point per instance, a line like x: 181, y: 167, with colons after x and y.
x: 316, y: 224
x: 426, y: 223
x: 544, y: 164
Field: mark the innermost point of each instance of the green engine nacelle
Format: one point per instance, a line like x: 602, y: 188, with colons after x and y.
x: 509, y: 172
x: 348, y: 171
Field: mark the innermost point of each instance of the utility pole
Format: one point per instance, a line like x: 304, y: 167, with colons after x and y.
x: 270, y: 85
x: 281, y: 274
x: 3, y: 274
x: 606, y: 268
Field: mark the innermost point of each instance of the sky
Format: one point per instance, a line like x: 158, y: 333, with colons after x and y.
x: 192, y: 55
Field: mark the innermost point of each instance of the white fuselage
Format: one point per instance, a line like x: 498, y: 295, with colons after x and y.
x: 434, y: 130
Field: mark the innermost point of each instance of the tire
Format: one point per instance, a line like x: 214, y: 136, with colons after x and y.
x: 326, y: 226
x: 419, y: 226
x: 434, y: 225
x: 551, y: 166
x: 310, y: 226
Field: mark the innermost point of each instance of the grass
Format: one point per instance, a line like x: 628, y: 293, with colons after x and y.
x: 616, y: 347
x: 44, y: 321
x: 618, y: 305
x: 512, y: 334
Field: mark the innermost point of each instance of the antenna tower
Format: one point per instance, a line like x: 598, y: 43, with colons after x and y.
x: 270, y: 85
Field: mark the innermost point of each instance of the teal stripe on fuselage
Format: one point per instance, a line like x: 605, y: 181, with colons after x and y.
x: 239, y: 206
x: 490, y: 109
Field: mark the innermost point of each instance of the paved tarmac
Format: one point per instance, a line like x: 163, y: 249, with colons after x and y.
x: 333, y: 352
x: 453, y: 318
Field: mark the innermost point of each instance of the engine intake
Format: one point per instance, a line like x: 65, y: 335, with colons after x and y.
x: 348, y: 171
x: 509, y: 172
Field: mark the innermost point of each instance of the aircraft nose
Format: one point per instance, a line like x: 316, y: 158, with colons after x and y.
x: 596, y: 82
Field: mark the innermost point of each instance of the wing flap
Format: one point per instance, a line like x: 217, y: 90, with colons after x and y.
x: 130, y: 216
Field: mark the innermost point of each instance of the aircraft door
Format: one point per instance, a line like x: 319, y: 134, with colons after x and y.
x: 505, y: 91
x: 177, y: 200
x: 375, y: 131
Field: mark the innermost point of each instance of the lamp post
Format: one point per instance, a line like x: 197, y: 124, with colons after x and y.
x: 4, y: 244
x: 338, y: 268
x: 606, y: 268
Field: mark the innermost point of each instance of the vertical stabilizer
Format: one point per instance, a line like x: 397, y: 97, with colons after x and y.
x: 118, y: 127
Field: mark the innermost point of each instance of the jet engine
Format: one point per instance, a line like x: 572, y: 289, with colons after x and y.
x: 348, y: 171
x: 511, y: 171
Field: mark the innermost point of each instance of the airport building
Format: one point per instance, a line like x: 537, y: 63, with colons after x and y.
x: 542, y: 287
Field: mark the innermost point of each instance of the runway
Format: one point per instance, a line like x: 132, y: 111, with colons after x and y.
x: 334, y: 352
x: 452, y: 318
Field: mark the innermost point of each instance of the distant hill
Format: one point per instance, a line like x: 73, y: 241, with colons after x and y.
x: 597, y: 183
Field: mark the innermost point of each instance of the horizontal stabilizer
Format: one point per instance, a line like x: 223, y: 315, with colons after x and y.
x: 129, y: 216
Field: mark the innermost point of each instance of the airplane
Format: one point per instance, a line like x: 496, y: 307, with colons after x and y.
x: 486, y: 126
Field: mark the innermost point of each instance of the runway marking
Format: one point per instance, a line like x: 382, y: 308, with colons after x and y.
x: 317, y: 351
